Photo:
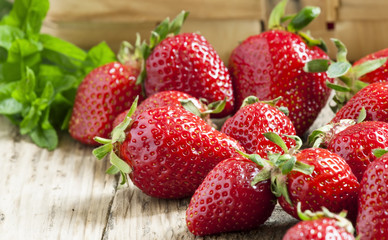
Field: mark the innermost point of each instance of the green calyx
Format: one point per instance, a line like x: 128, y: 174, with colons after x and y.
x: 320, y: 137
x: 253, y: 99
x: 296, y: 22
x: 378, y: 152
x: 211, y: 108
x: 161, y: 32
x: 348, y: 77
x: 340, y: 218
x: 109, y: 146
x: 278, y: 166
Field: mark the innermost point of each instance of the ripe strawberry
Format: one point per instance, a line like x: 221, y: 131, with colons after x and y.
x: 161, y: 99
x: 372, y: 220
x: 104, y: 93
x: 329, y: 182
x: 356, y: 144
x: 255, y: 118
x: 321, y: 225
x: 227, y: 201
x: 185, y: 62
x: 374, y: 98
x: 378, y: 75
x: 168, y: 149
x: 332, y: 184
x: 270, y: 64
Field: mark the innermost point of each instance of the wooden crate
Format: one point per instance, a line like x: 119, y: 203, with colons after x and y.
x: 361, y: 25
x: 86, y: 23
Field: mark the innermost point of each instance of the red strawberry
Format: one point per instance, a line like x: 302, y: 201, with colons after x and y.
x: 329, y: 181
x: 356, y: 144
x: 374, y: 98
x: 161, y: 99
x: 185, y: 62
x: 270, y: 64
x: 321, y: 225
x: 102, y: 95
x: 248, y: 124
x: 372, y: 220
x: 332, y: 184
x: 226, y: 200
x: 168, y: 149
x: 378, y: 75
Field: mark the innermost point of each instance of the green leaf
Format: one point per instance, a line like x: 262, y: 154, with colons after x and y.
x: 362, y: 115
x: 9, y: 105
x: 275, y: 138
x: 337, y: 87
x: 27, y: 15
x: 97, y: 56
x: 9, y: 34
x: 342, y: 51
x: 45, y: 138
x: 263, y: 175
x: 103, y: 150
x: 288, y: 165
x: 277, y: 15
x: 303, y: 18
x: 378, y: 152
x: 249, y: 100
x: 313, y: 42
x: 5, y: 7
x: 368, y: 66
x: 61, y: 53
x: 119, y: 163
x: 25, y: 90
x: 303, y: 168
x: 190, y: 106
x: 216, y: 107
x: 338, y: 69
x: 316, y: 65
x: 177, y: 22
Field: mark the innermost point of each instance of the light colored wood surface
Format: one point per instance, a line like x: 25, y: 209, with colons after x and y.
x: 65, y: 194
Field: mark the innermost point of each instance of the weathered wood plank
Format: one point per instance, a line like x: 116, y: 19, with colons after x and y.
x: 63, y: 194
x: 135, y: 215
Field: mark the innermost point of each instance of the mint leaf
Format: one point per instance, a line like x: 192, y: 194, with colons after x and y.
x: 27, y: 15
x: 62, y: 53
x: 97, y: 56
x: 8, y: 34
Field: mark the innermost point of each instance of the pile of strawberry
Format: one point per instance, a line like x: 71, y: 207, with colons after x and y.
x: 152, y: 113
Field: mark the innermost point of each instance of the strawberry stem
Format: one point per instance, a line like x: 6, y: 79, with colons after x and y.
x: 161, y: 32
x: 108, y: 147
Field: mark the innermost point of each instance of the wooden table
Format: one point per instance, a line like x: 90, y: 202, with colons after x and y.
x: 65, y: 194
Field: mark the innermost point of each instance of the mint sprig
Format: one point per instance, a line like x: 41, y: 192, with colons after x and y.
x: 40, y: 73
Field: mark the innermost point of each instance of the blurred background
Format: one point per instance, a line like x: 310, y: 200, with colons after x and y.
x: 361, y: 25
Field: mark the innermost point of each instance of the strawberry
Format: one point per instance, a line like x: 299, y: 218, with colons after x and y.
x: 270, y: 64
x: 227, y: 201
x: 166, y: 151
x: 171, y: 98
x: 329, y: 182
x: 255, y: 118
x: 104, y: 93
x: 374, y: 98
x: 321, y: 225
x: 332, y: 184
x: 372, y: 220
x: 185, y: 62
x: 378, y: 75
x: 356, y: 143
